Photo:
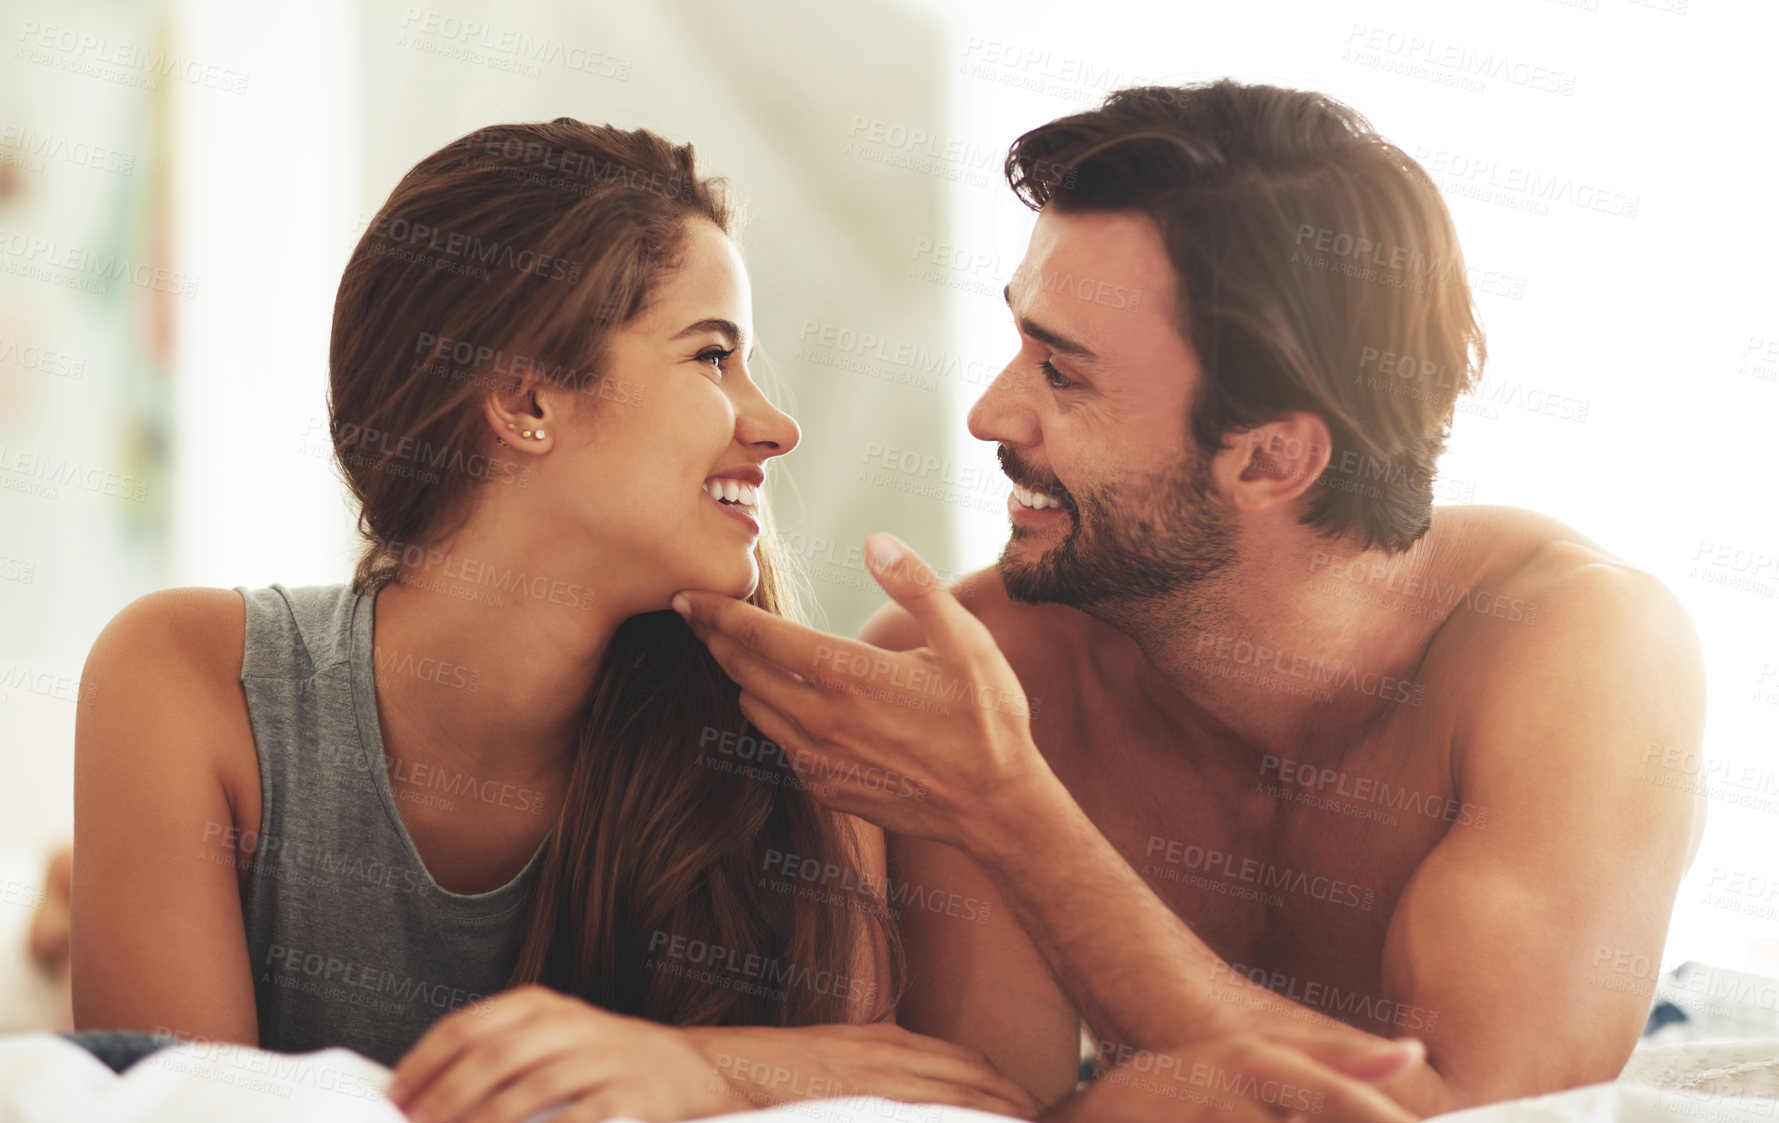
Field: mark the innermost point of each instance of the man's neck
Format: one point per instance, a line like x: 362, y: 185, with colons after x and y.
x: 1275, y: 658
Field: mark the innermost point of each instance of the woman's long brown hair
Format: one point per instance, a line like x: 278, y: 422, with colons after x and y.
x: 663, y: 892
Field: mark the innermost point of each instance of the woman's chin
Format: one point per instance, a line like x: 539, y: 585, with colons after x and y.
x: 738, y: 580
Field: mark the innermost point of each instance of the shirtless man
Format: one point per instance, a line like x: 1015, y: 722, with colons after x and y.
x: 1262, y: 739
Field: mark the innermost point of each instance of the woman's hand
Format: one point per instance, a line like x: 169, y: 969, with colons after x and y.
x: 1295, y: 1074
x: 531, y: 1048
x: 769, y: 1065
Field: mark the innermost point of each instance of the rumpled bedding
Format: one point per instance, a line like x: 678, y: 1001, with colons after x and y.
x: 44, y: 1078
x: 1722, y: 1082
x: 47, y: 1079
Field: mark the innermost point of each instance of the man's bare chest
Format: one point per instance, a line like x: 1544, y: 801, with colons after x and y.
x: 1288, y: 868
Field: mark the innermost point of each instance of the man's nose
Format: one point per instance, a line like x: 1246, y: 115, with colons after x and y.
x: 1001, y: 414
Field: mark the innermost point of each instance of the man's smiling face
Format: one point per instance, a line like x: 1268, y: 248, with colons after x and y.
x: 1113, y: 500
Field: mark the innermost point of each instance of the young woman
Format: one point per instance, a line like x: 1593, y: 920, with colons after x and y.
x: 336, y: 816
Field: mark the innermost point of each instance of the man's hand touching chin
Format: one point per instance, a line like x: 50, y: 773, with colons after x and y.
x: 933, y: 742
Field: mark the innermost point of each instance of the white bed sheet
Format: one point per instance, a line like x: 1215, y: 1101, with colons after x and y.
x: 47, y: 1079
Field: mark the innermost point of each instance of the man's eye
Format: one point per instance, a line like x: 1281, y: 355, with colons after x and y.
x: 1056, y: 378
x: 716, y: 355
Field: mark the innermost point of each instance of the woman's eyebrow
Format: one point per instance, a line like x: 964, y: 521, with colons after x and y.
x: 737, y: 337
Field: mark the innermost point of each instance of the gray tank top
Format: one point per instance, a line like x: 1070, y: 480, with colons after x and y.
x: 351, y: 941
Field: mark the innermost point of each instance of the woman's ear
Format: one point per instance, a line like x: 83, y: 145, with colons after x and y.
x: 520, y: 416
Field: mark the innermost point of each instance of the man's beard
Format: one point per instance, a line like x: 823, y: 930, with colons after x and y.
x: 1165, y: 536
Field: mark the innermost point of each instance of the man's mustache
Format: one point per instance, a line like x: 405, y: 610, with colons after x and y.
x: 1026, y: 476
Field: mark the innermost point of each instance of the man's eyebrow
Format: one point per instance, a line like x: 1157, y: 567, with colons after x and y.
x: 1048, y: 338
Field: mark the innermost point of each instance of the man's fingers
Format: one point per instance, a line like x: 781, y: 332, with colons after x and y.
x: 950, y: 627
x: 760, y: 651
x: 813, y: 767
x: 778, y: 728
x: 777, y: 640
x: 758, y: 676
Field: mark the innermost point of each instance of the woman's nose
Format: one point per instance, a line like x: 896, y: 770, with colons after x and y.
x: 765, y: 426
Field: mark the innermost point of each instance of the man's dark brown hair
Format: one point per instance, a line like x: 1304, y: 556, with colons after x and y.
x: 1319, y: 270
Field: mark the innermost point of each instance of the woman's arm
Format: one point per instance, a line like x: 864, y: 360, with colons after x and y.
x: 764, y: 1065
x: 157, y: 939
x: 530, y: 1047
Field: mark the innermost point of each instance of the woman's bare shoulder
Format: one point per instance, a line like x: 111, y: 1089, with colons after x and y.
x: 200, y: 627
x: 165, y: 784
x: 164, y: 675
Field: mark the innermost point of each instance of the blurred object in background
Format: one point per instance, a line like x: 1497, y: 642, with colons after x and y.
x: 89, y: 296
x: 34, y: 992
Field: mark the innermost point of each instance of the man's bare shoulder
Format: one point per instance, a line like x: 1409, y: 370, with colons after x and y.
x: 1504, y: 565
x: 1552, y: 621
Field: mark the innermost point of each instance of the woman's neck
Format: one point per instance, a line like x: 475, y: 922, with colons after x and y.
x: 484, y: 658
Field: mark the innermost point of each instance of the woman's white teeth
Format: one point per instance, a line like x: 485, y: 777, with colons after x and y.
x: 1036, y: 500
x: 732, y: 491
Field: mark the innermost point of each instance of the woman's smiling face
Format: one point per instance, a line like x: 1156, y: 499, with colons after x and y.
x: 673, y: 422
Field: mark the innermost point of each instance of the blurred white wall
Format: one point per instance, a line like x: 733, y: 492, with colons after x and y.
x: 267, y: 193
x: 181, y: 175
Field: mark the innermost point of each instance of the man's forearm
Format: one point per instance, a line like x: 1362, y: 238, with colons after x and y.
x: 1137, y: 973
x: 1134, y: 970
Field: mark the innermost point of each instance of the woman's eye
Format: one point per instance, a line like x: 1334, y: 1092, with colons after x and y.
x: 1056, y: 378
x: 715, y: 355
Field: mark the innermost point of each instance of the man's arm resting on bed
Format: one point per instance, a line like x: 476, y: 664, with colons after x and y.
x: 1499, y: 931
